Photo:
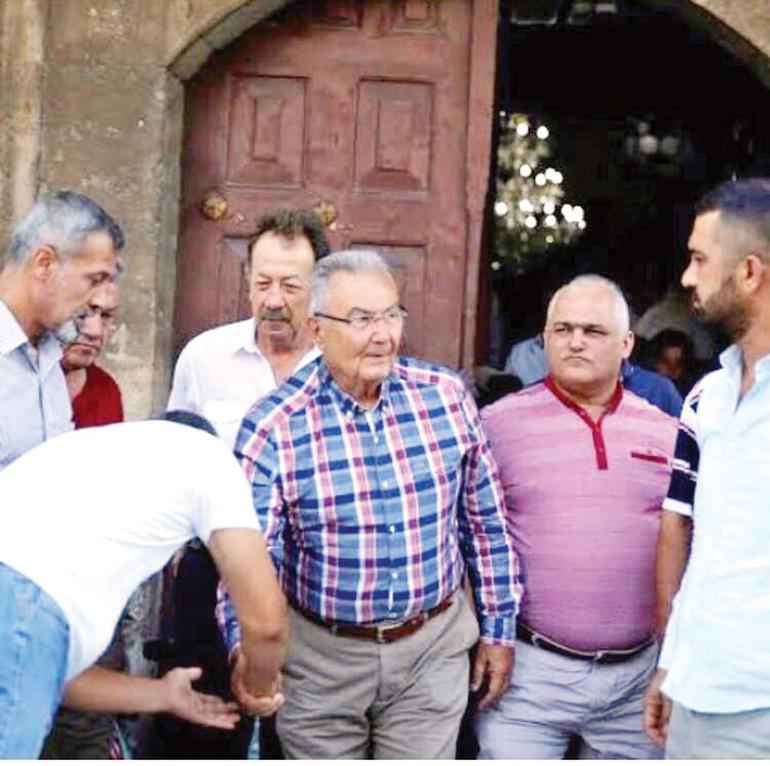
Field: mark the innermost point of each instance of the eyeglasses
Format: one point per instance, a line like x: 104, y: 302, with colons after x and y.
x: 392, y: 317
x: 106, y: 316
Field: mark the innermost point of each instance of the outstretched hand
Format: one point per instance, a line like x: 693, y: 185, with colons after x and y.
x: 259, y: 705
x: 494, y: 665
x: 203, y: 709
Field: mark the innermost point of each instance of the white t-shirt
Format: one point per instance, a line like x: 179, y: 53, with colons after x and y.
x: 221, y: 374
x: 91, y: 514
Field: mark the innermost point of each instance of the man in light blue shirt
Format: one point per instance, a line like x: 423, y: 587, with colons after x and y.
x: 64, y: 248
x: 715, y: 662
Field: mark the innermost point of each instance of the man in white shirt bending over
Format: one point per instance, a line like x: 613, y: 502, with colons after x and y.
x: 72, y: 552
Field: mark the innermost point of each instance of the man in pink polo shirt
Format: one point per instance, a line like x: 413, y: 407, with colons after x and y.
x: 585, y: 466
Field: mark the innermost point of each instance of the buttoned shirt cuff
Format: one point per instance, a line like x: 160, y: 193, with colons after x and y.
x: 500, y: 631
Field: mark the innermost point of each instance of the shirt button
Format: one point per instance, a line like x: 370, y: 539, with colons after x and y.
x: 349, y: 416
x: 394, y: 575
x: 393, y: 614
x: 392, y: 529
x: 385, y: 484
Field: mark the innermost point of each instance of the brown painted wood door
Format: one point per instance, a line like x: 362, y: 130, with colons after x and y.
x: 363, y: 106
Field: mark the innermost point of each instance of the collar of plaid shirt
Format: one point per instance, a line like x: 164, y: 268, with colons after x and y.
x: 374, y: 515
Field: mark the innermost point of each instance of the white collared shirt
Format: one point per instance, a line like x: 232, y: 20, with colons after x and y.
x: 221, y: 373
x: 717, y: 644
x: 34, y: 400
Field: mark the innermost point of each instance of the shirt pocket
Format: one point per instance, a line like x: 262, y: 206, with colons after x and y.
x: 651, y: 456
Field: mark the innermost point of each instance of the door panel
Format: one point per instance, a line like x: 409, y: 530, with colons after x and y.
x: 362, y: 105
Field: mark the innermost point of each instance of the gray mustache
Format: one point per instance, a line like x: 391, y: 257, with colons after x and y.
x: 273, y: 316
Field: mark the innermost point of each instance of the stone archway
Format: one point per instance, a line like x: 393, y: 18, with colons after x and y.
x: 92, y: 99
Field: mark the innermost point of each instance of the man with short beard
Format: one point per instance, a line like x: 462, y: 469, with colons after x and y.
x: 710, y: 697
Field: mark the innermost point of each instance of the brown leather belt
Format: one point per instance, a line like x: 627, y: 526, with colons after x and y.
x: 605, y: 656
x: 381, y: 634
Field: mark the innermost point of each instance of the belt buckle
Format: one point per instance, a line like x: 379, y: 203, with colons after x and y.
x: 379, y: 636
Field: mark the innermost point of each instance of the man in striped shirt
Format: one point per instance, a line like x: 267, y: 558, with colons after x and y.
x: 584, y: 465
x: 376, y: 489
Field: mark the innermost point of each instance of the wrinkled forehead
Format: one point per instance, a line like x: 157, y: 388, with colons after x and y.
x: 279, y: 256
x: 362, y: 290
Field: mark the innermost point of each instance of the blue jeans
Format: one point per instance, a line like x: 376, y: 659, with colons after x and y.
x: 34, y: 639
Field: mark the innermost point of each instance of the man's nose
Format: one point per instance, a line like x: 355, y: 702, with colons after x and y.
x: 91, y: 327
x: 274, y: 297
x: 687, y: 277
x: 577, y: 337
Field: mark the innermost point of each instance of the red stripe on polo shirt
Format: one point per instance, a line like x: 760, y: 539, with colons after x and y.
x: 600, y: 448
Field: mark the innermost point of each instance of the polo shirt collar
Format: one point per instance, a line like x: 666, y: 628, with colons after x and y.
x: 612, y: 405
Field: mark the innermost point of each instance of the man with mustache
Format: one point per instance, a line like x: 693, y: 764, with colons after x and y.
x: 376, y: 489
x: 220, y: 374
x: 710, y: 697
x: 584, y: 465
x: 223, y: 371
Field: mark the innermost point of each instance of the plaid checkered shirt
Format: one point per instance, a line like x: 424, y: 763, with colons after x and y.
x: 372, y: 516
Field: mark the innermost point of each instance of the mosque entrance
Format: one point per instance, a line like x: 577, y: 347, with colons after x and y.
x: 613, y: 119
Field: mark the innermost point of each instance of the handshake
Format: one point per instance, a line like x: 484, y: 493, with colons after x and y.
x: 253, y: 696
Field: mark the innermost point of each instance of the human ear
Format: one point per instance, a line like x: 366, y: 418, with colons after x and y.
x: 45, y: 262
x: 752, y: 271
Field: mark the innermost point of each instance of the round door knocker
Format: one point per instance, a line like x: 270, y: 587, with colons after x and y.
x: 214, y: 206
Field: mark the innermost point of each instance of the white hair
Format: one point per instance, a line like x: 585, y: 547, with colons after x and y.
x: 344, y: 260
x: 595, y: 281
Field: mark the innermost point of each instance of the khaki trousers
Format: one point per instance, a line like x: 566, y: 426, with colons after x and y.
x: 353, y: 698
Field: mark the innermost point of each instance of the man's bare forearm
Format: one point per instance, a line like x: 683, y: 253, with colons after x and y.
x: 674, y: 540
x: 246, y: 567
x: 114, y: 692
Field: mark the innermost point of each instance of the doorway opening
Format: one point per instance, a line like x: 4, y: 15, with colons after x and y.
x: 613, y: 119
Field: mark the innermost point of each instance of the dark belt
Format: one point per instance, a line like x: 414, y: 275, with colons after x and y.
x: 603, y: 657
x: 381, y: 634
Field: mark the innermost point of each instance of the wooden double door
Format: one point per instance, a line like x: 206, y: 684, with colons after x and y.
x: 377, y: 114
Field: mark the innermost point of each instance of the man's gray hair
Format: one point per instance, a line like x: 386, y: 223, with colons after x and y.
x: 595, y: 280
x: 62, y: 220
x: 352, y: 261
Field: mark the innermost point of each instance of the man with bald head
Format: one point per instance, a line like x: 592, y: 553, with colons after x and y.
x: 584, y: 466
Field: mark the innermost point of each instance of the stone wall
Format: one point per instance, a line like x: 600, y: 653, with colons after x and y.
x: 92, y: 99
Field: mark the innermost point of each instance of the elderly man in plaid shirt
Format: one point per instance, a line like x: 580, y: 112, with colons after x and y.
x: 376, y: 489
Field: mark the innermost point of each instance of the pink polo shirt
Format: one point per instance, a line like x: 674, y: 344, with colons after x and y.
x: 583, y: 502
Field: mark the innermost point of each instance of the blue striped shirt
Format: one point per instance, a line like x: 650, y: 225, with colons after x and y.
x: 373, y: 515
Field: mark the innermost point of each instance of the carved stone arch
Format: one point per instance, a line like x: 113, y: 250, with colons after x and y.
x: 207, y: 33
